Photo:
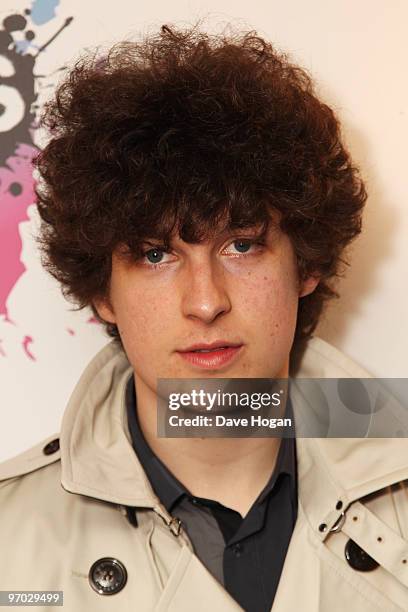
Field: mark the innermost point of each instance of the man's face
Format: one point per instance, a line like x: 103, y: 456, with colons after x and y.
x: 229, y: 288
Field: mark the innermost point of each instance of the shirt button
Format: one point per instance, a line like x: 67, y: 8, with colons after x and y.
x: 107, y: 576
x: 237, y: 550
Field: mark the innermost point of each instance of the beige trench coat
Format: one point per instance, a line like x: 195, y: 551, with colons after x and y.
x: 63, y: 511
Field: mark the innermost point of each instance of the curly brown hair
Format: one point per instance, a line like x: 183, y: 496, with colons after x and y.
x: 183, y: 129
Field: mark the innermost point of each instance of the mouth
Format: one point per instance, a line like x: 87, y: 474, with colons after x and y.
x: 212, y: 356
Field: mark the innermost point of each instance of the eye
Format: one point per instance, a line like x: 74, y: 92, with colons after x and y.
x: 244, y: 245
x: 154, y: 255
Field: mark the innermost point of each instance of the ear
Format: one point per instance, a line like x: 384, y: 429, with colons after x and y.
x: 104, y: 309
x: 308, y: 285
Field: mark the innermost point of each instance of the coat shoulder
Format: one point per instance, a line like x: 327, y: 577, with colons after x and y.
x: 42, y: 454
x: 316, y: 358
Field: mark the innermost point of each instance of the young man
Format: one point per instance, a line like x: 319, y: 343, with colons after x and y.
x: 197, y: 195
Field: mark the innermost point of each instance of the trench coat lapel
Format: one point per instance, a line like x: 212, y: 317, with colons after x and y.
x: 191, y: 586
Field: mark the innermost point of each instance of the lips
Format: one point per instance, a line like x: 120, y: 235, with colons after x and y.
x: 209, y: 350
x: 202, y: 346
x: 211, y: 356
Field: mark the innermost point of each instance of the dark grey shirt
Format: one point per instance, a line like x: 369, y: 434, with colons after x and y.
x: 245, y: 555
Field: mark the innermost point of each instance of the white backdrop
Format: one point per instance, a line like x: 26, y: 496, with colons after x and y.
x: 357, y: 53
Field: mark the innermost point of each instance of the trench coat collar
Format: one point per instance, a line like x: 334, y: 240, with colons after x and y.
x: 98, y: 459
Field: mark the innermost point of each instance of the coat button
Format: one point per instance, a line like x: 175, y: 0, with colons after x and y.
x: 358, y: 559
x: 51, y: 447
x: 107, y: 576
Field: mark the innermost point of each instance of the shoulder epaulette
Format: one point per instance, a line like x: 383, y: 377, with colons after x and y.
x: 38, y: 456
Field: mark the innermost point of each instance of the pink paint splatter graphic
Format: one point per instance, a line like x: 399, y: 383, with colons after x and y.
x: 26, y: 346
x: 16, y: 195
x: 18, y: 52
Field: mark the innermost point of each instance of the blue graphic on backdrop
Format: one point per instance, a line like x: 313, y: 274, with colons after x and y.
x: 43, y: 11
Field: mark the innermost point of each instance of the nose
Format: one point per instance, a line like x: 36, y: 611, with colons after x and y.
x: 205, y: 294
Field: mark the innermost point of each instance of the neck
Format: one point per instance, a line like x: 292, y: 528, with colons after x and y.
x: 210, y: 467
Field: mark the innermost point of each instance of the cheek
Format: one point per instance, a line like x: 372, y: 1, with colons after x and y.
x: 143, y: 316
x: 270, y: 302
x: 265, y: 291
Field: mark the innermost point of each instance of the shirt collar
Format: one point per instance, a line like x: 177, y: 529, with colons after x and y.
x: 165, y: 484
